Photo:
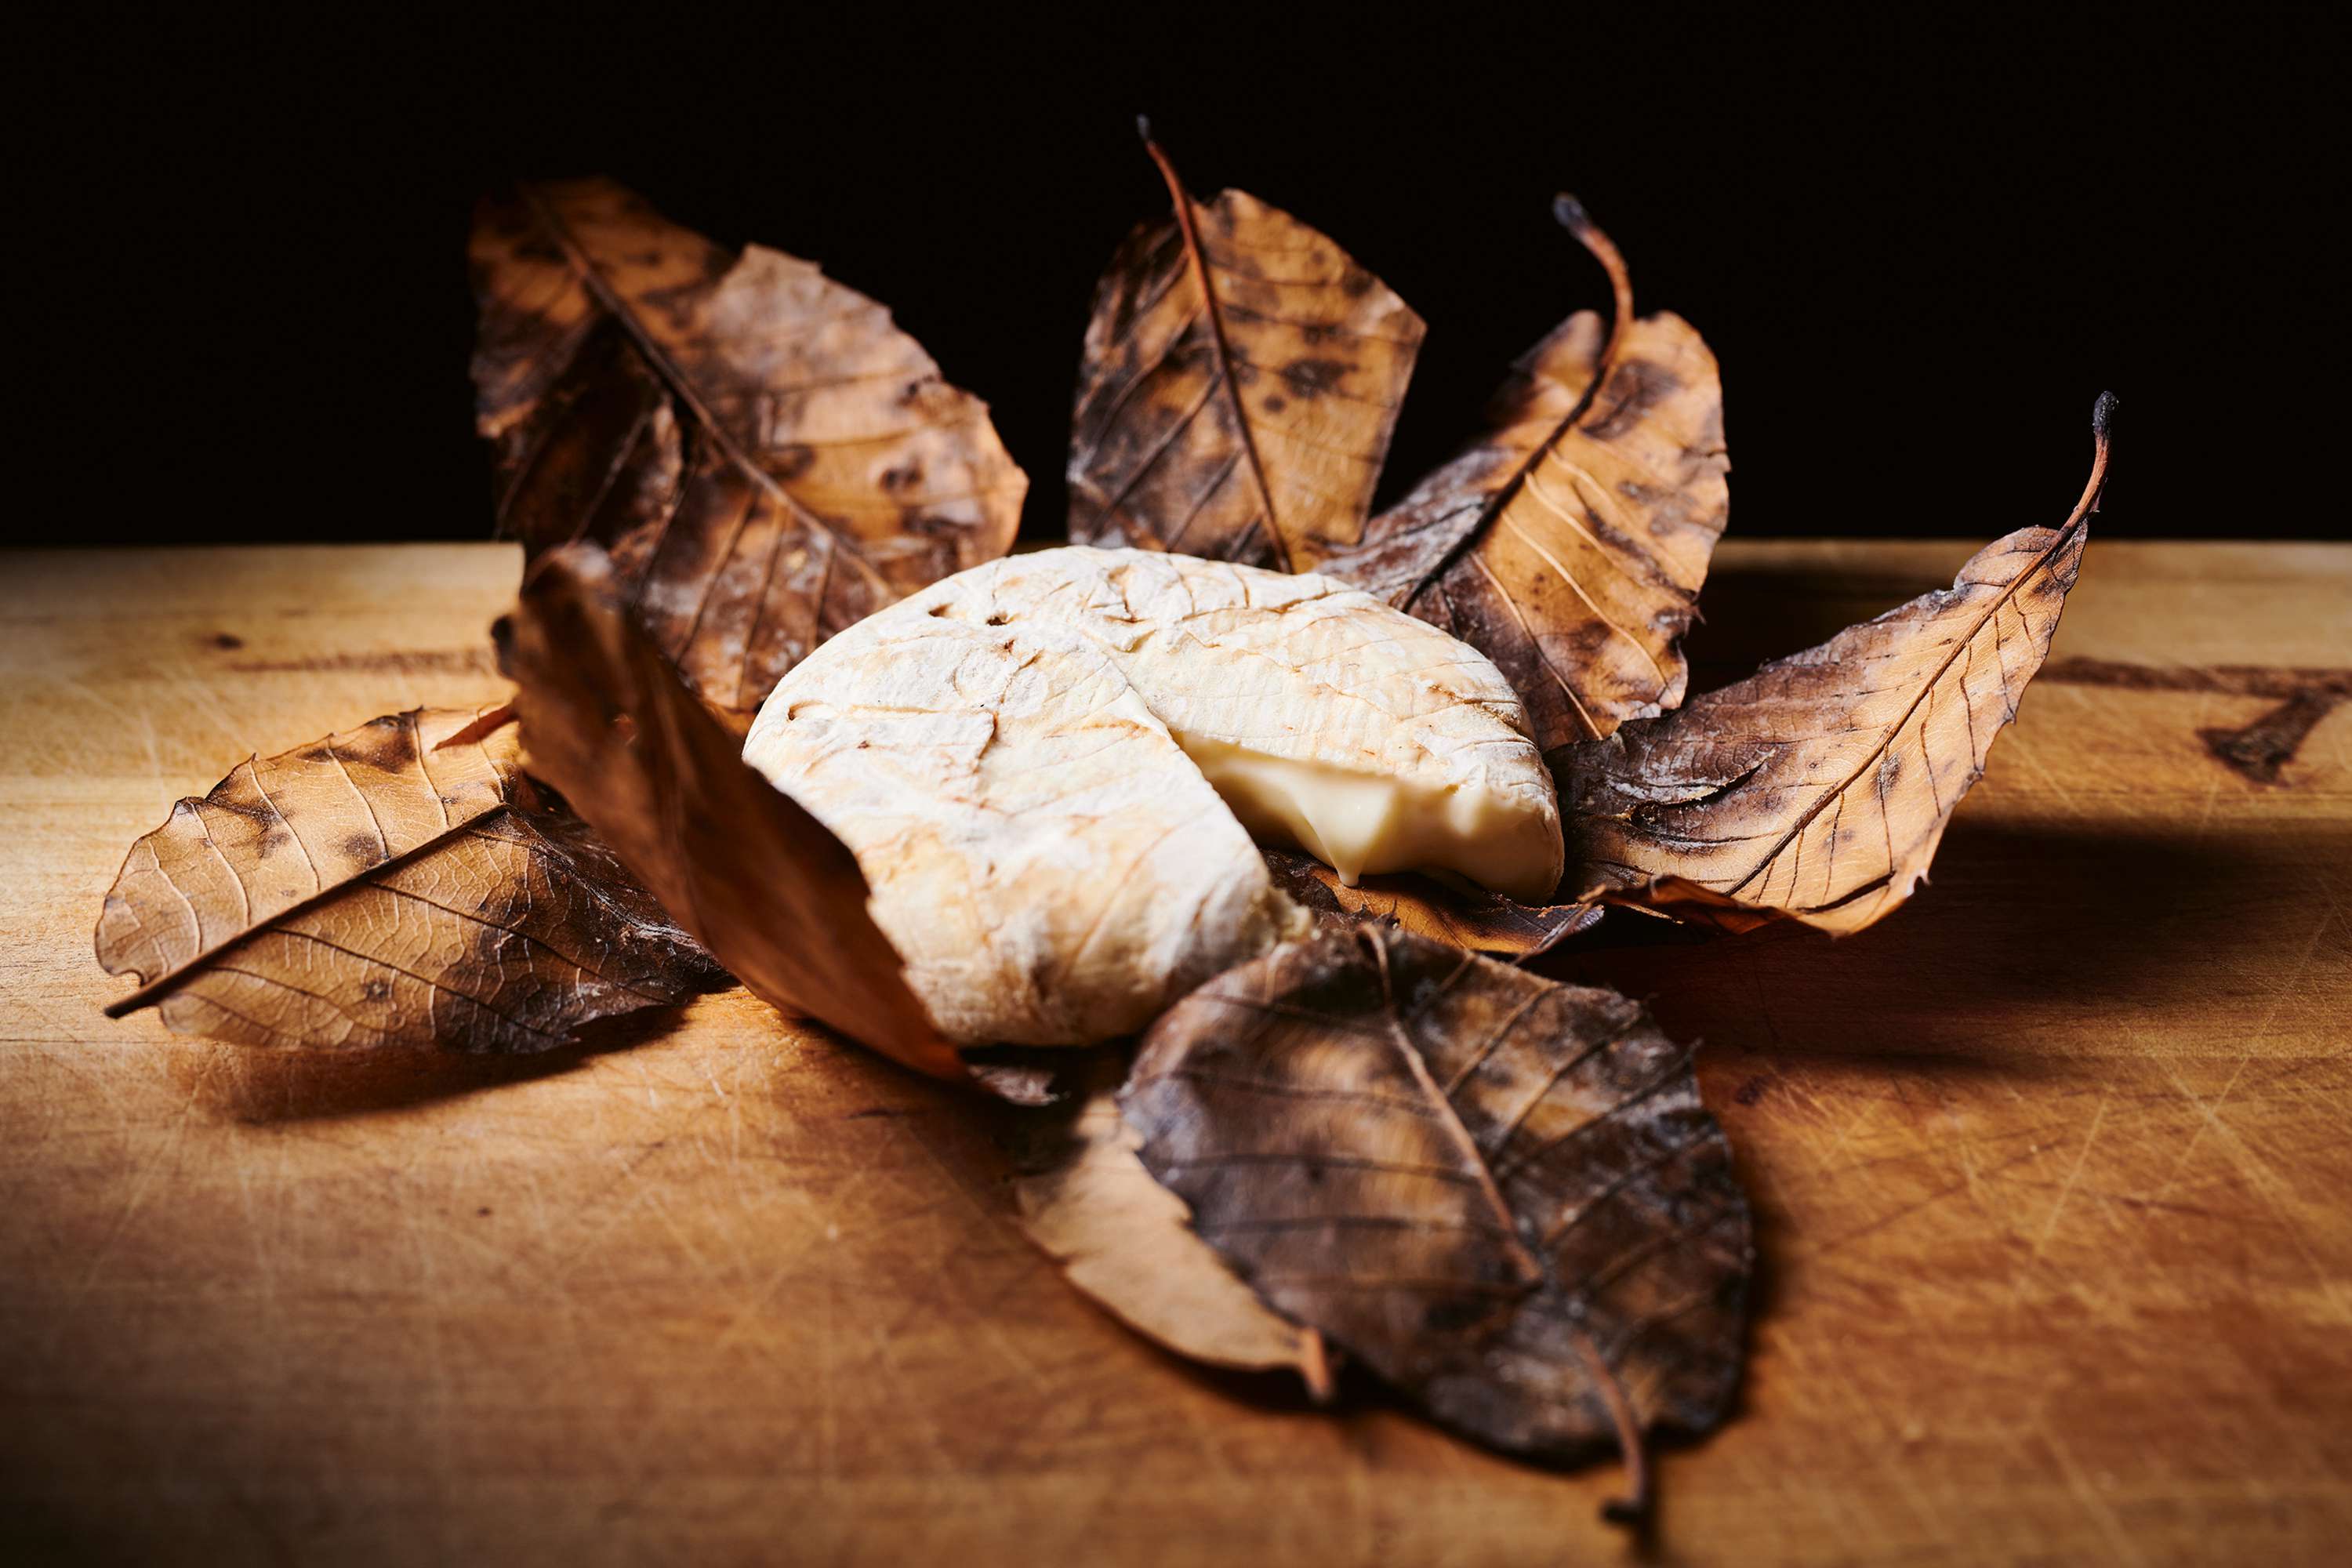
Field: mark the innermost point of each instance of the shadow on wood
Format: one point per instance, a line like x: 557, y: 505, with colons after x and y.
x: 257, y: 1085
x: 2023, y: 929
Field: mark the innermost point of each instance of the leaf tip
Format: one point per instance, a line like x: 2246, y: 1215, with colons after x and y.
x: 2103, y: 426
x: 1629, y: 1511
x: 1572, y: 217
x: 1159, y: 156
x: 1315, y: 1367
x: 2102, y: 415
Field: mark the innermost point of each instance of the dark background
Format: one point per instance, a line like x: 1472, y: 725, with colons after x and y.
x: 1919, y: 249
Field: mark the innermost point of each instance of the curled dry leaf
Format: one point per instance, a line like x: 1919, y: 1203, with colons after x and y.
x: 1127, y: 1241
x: 394, y: 884
x: 776, y: 897
x: 1471, y: 917
x: 1240, y: 378
x: 1501, y: 1192
x: 767, y: 457
x: 1568, y: 542
x: 1819, y: 787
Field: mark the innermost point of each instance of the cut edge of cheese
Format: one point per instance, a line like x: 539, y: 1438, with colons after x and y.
x: 1365, y: 824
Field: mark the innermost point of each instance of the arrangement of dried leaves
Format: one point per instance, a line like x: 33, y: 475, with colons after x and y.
x: 1389, y: 1141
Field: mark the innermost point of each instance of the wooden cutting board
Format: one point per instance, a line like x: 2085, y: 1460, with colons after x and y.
x: 2054, y: 1172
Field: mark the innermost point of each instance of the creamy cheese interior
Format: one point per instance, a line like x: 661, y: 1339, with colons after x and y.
x: 1364, y: 823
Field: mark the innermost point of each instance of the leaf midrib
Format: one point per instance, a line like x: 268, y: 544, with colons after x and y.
x: 1534, y: 1274
x: 592, y: 278
x: 170, y: 979
x: 1196, y: 259
x: 1508, y: 491
x: 2071, y: 529
x: 163, y: 985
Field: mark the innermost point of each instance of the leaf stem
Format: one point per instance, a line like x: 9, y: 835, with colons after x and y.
x: 1571, y: 216
x: 2103, y: 426
x: 1199, y: 262
x: 1315, y: 1365
x: 1590, y: 234
x: 1634, y: 1508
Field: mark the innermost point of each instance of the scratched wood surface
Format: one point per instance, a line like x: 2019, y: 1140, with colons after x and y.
x: 2051, y: 1171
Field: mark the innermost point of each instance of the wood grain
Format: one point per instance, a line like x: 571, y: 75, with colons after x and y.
x: 2050, y: 1173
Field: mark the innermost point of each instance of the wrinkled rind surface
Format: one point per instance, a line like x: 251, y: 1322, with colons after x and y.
x: 1052, y: 867
x: 1294, y: 666
x: 1163, y: 454
x: 767, y: 457
x: 379, y: 886
x: 1820, y: 786
x: 1568, y: 541
x: 1460, y: 1172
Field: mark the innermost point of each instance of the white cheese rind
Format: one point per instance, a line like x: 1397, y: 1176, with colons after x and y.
x: 1040, y: 764
x: 1051, y: 867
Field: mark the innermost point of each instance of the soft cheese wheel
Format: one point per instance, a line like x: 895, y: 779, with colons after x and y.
x: 1046, y: 765
x: 1051, y: 867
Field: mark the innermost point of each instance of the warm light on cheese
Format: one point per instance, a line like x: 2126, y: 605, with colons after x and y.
x: 1056, y: 772
x: 1364, y: 823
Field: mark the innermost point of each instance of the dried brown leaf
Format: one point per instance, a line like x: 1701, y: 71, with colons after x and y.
x: 767, y: 457
x: 1568, y: 542
x: 1476, y: 919
x: 1501, y: 1191
x: 395, y: 884
x: 1127, y: 1241
x: 776, y: 897
x: 1819, y: 787
x: 1241, y: 379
